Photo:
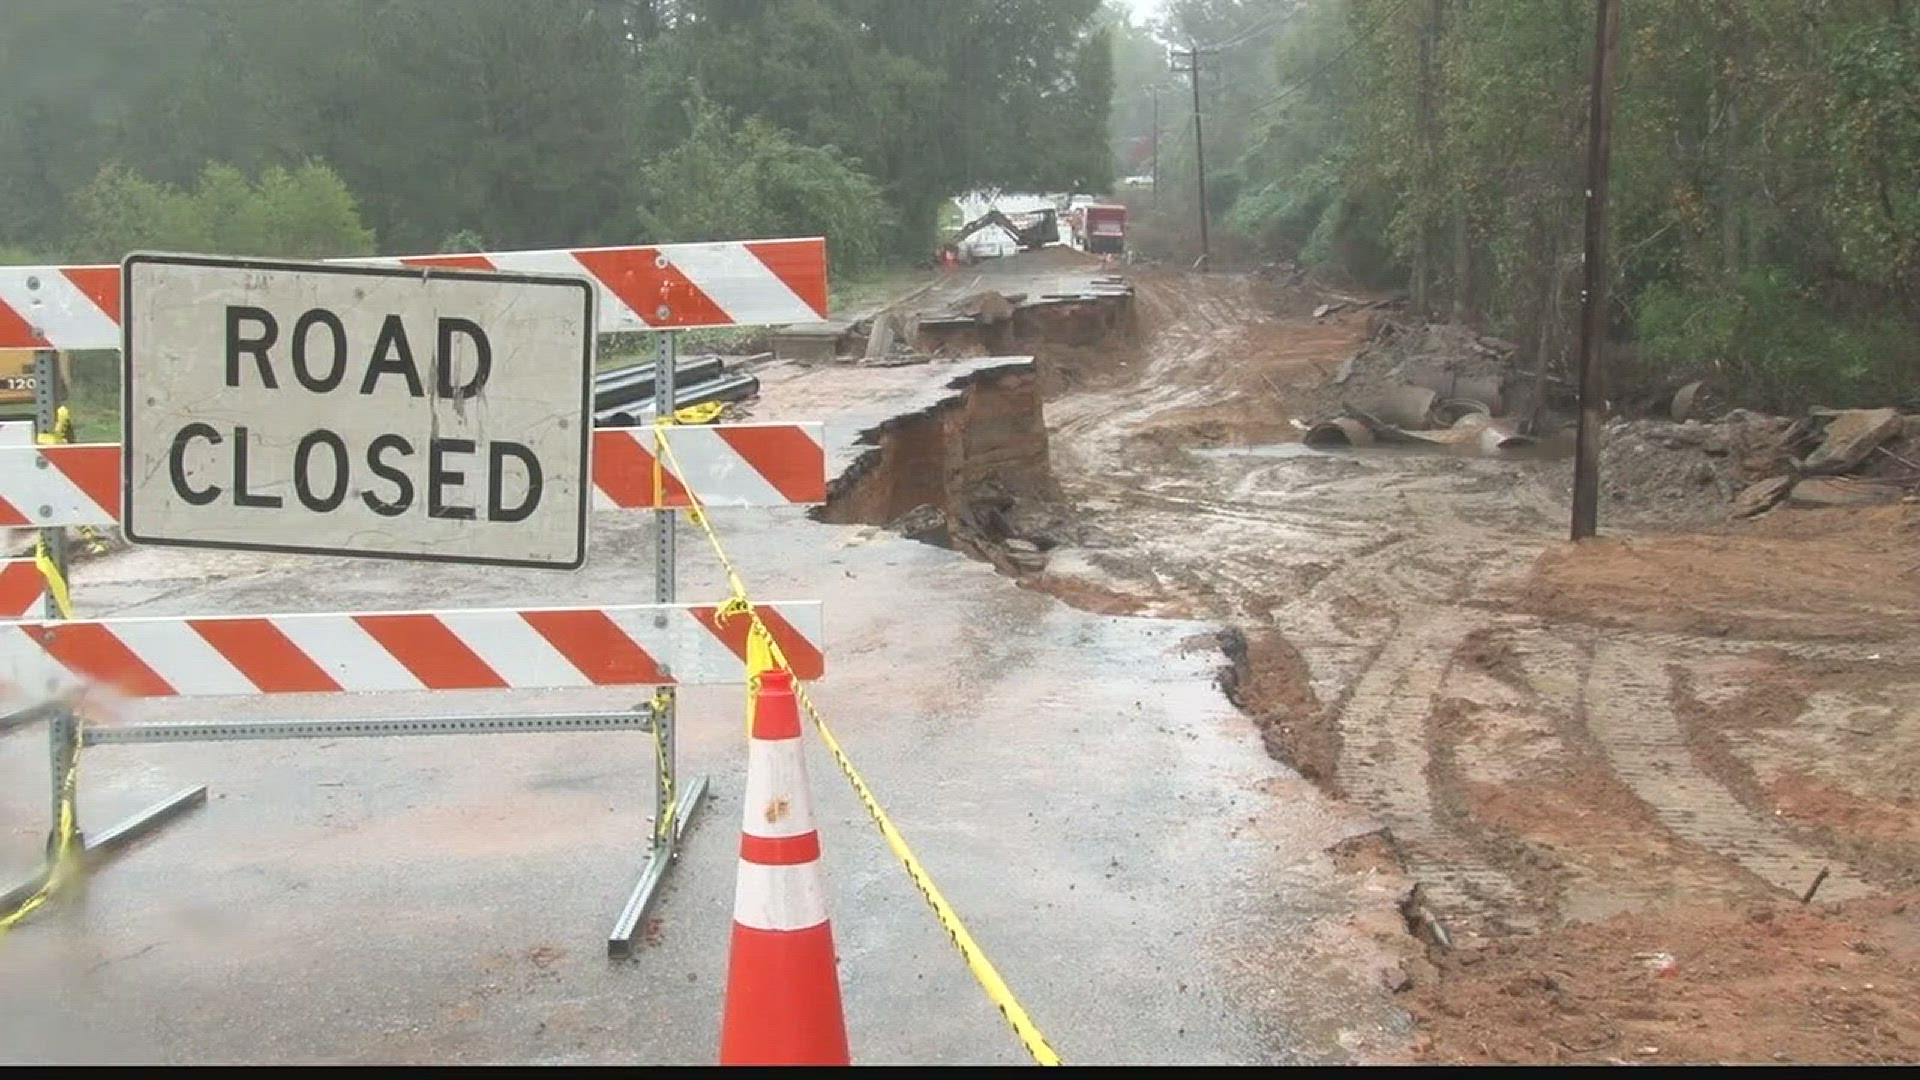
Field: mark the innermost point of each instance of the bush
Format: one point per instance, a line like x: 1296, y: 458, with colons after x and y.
x: 1769, y: 342
x: 305, y: 213
x: 730, y: 181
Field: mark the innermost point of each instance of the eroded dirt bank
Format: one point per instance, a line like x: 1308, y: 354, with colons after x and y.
x: 1590, y: 760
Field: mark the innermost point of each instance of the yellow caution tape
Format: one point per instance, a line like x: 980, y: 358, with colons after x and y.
x: 56, y: 582
x: 62, y: 428
x: 65, y: 853
x: 763, y: 653
x: 664, y: 822
x: 704, y: 413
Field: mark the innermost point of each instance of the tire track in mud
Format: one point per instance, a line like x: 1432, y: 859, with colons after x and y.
x: 1376, y: 577
x: 1385, y: 763
x: 1629, y: 710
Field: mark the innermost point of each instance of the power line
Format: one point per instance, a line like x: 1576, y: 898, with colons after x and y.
x: 1365, y: 36
x: 1244, y: 35
x: 1237, y: 39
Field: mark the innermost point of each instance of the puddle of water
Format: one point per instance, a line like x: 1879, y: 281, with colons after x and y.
x: 1273, y: 450
x: 1551, y: 449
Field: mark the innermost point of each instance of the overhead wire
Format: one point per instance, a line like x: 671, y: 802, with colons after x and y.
x: 1245, y: 35
x: 1361, y: 39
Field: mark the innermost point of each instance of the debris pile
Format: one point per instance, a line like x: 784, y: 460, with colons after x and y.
x: 1685, y: 473
x: 1691, y: 471
x: 1839, y: 457
x: 1422, y: 383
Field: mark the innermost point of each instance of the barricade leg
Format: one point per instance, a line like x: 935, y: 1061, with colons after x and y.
x: 64, y: 738
x: 113, y: 840
x: 97, y: 849
x: 673, y: 810
x: 660, y: 855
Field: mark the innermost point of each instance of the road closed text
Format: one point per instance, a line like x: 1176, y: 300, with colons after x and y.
x: 391, y: 474
x: 357, y: 410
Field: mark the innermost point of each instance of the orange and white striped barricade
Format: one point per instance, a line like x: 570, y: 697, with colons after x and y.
x: 726, y: 465
x: 23, y: 591
x: 640, y: 287
x: 664, y: 468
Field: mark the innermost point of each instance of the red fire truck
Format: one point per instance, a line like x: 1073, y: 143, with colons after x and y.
x: 1099, y: 228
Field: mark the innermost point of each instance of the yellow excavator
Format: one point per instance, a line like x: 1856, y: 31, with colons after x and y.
x: 16, y: 381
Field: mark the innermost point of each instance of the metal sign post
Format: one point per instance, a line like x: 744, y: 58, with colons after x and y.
x: 672, y: 810
x: 62, y: 746
x: 46, y: 408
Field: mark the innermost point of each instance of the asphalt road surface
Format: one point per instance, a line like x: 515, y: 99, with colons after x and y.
x: 1152, y: 885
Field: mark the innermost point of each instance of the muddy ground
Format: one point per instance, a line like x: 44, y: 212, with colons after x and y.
x: 1604, y: 775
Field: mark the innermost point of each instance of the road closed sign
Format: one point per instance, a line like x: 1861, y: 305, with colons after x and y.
x: 344, y: 410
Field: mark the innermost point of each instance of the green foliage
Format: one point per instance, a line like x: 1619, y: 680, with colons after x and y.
x: 529, y: 123
x: 307, y: 213
x: 749, y: 179
x: 930, y: 98
x: 1774, y: 343
x: 1875, y: 142
x: 1146, y: 93
x: 463, y: 241
x: 93, y: 394
x: 304, y: 213
x: 120, y: 212
x: 1765, y: 219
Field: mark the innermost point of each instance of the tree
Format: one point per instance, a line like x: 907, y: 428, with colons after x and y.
x: 1767, y: 230
x: 497, y: 115
x: 931, y: 99
x: 528, y: 123
x: 1146, y: 106
x: 748, y: 179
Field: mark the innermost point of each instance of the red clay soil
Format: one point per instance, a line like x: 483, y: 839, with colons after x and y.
x: 1769, y: 983
x: 1411, y: 633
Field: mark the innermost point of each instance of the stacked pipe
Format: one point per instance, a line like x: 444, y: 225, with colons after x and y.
x: 623, y: 397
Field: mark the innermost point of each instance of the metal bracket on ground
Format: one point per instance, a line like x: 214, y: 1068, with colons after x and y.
x: 93, y: 850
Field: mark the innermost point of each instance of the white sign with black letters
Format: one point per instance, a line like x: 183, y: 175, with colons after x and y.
x: 347, y: 410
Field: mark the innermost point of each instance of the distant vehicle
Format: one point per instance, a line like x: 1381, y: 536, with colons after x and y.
x: 1099, y: 228
x: 1137, y: 181
x: 989, y: 243
x: 1029, y: 231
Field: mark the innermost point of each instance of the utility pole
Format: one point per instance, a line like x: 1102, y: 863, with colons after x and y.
x: 1593, y: 300
x: 1199, y: 149
x: 1429, y: 168
x: 1156, y: 146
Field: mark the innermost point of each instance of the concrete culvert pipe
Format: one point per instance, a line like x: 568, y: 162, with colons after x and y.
x: 1404, y: 406
x: 1341, y: 431
x: 1453, y: 410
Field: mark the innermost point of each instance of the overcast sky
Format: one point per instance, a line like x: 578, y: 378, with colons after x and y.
x: 1143, y: 9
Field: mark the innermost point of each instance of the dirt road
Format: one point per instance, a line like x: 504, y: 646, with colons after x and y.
x: 1640, y: 747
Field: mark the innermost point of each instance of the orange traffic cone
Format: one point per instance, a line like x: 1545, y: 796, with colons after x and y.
x: 783, y: 990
